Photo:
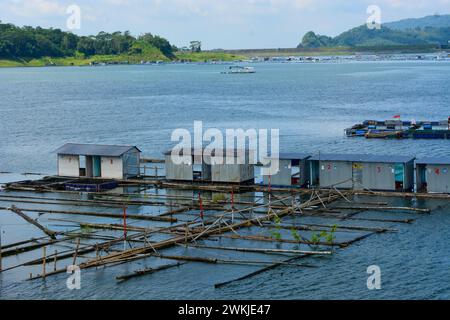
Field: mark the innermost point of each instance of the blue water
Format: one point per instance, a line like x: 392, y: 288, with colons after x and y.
x: 311, y: 104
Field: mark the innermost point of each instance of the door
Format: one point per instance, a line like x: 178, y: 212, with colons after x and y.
x: 357, y: 175
x: 399, y: 171
x: 315, y: 173
x: 97, y: 166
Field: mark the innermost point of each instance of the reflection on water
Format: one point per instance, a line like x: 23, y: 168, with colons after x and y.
x: 311, y: 104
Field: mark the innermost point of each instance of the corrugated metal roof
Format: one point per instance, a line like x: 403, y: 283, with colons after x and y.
x: 94, y: 150
x: 236, y: 152
x: 434, y: 160
x: 362, y: 158
x: 292, y: 156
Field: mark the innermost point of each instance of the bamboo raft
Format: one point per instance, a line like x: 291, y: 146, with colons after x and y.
x: 187, y: 221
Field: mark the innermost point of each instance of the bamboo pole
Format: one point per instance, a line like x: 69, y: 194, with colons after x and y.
x: 97, y: 246
x: 261, y: 250
x: 308, y: 227
x: 44, y: 261
x: 32, y: 247
x: 254, y: 273
x: 76, y: 252
x: 1, y: 266
x: 420, y: 210
x: 54, y: 260
x: 224, y: 261
x: 269, y: 239
x: 142, y: 272
x: 50, y: 233
x: 130, y: 253
x: 98, y: 214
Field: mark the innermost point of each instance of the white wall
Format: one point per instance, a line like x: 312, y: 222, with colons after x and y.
x: 112, y: 168
x: 68, y: 166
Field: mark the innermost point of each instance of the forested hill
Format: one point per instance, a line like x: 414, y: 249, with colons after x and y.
x: 434, y: 21
x: 28, y: 42
x: 405, y: 32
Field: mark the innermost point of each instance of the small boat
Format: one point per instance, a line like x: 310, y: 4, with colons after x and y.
x: 239, y: 70
x: 378, y: 134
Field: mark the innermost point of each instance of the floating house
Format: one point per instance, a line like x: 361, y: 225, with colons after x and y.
x: 432, y: 175
x: 229, y: 171
x: 362, y: 171
x: 293, y: 171
x: 232, y: 170
x: 187, y: 170
x: 98, y: 161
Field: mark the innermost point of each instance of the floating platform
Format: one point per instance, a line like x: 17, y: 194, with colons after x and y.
x: 55, y: 183
x: 91, y: 185
x: 397, y: 129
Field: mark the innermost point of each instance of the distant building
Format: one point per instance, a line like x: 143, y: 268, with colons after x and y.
x: 98, y: 161
x: 433, y: 175
x: 196, y: 46
x: 362, y: 171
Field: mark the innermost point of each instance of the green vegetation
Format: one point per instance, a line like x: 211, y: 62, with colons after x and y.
x: 435, y: 21
x: 219, y: 197
x: 36, y: 47
x: 208, y: 56
x: 276, y: 234
x: 35, y: 43
x: 329, y: 237
x: 384, y: 37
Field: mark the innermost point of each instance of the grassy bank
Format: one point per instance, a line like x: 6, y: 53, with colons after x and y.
x: 335, y: 51
x: 209, y: 56
x: 146, y: 55
x: 84, y: 61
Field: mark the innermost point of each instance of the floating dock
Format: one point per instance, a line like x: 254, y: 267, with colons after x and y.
x: 397, y: 129
x: 143, y: 217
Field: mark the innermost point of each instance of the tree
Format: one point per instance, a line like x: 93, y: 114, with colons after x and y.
x: 158, y: 42
x: 28, y: 42
x: 86, y: 45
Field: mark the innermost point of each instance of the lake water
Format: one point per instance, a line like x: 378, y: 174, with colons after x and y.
x: 311, y: 104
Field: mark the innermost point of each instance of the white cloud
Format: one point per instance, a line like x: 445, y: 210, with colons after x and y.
x: 31, y: 8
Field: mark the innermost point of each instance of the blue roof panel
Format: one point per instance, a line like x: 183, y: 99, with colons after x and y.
x: 433, y: 160
x: 362, y: 158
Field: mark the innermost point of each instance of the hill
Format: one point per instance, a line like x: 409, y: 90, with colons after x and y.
x: 28, y: 46
x: 385, y: 36
x: 434, y: 21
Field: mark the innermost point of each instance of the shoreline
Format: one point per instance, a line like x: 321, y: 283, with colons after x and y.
x: 227, y: 56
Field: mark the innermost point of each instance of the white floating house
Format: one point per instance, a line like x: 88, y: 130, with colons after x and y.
x: 362, y: 171
x: 433, y: 175
x: 98, y: 161
x: 229, y: 171
x: 293, y: 171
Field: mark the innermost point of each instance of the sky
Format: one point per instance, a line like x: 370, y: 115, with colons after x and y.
x: 226, y: 24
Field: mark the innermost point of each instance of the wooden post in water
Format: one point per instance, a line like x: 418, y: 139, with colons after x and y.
x: 76, y: 252
x: 232, y: 205
x: 201, y: 207
x: 269, y: 211
x: 44, y: 261
x: 54, y: 260
x: 0, y: 249
x: 124, y: 228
